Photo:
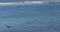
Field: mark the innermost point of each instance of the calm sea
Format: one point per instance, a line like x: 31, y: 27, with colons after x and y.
x: 30, y: 18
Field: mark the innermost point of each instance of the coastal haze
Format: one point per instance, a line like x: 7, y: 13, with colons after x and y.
x: 54, y: 0
x: 23, y: 3
x: 26, y: 2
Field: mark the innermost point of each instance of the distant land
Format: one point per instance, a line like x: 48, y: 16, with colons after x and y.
x: 22, y: 3
x: 19, y: 0
x: 54, y: 0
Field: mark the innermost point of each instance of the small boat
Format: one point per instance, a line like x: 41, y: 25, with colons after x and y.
x: 8, y: 26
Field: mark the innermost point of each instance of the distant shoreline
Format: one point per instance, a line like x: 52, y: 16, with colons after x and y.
x: 23, y: 3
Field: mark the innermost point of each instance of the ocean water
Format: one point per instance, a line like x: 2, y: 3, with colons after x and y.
x: 30, y: 18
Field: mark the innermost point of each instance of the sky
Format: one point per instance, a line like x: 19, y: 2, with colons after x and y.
x: 26, y: 0
x: 55, y: 0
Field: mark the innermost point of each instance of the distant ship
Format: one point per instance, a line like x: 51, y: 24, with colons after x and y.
x: 8, y: 26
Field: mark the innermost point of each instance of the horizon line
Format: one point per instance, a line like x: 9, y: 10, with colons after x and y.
x: 23, y: 3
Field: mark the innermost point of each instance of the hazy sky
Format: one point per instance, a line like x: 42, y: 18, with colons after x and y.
x: 19, y: 0
x: 55, y: 0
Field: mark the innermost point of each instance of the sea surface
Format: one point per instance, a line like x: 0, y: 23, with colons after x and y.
x: 30, y: 18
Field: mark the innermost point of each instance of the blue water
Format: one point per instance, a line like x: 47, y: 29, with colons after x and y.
x: 30, y: 18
